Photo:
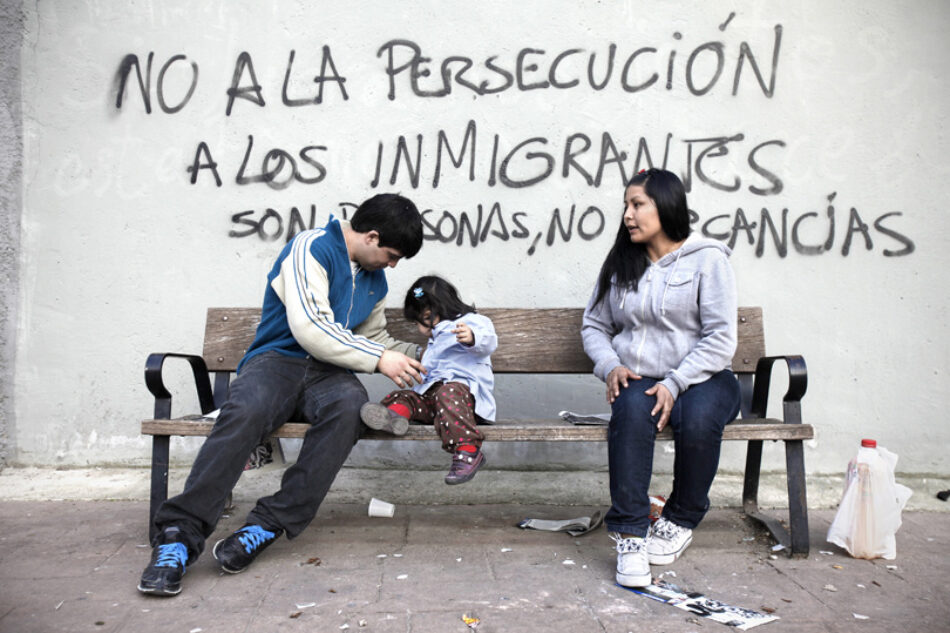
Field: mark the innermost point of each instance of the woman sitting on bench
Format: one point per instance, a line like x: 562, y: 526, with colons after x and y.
x: 661, y: 331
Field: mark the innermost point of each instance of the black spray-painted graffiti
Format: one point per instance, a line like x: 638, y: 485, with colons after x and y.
x: 464, y: 228
x: 576, y: 157
x: 237, y: 90
x: 537, y: 69
x: 279, y: 169
x: 731, y: 163
x: 767, y: 230
x: 529, y: 69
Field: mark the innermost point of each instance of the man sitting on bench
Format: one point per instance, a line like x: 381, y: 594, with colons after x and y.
x: 322, y: 319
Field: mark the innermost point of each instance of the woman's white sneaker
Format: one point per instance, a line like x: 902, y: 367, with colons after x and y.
x: 666, y: 541
x: 633, y: 568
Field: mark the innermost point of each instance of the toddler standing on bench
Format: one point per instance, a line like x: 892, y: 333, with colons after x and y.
x: 457, y: 389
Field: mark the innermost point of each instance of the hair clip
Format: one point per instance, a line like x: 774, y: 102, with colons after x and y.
x: 642, y: 171
x: 417, y: 292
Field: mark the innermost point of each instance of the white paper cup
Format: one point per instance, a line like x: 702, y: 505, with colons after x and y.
x: 378, y: 508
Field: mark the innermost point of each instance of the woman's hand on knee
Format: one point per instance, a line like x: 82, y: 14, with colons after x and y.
x: 664, y: 404
x: 617, y: 379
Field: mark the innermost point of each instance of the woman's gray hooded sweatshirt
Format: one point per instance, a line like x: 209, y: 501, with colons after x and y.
x: 678, y: 327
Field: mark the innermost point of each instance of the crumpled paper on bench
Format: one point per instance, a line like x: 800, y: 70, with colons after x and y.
x: 585, y: 419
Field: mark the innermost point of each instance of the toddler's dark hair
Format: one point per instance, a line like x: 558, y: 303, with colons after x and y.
x: 436, y: 295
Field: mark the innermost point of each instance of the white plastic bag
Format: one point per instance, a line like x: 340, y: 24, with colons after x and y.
x: 869, y: 514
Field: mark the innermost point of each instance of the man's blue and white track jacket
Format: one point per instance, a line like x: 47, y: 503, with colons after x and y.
x: 315, y: 305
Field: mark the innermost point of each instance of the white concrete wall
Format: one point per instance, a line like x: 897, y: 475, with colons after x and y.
x: 11, y: 163
x: 124, y: 246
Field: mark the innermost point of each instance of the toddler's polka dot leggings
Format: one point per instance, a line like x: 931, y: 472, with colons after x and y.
x: 449, y: 406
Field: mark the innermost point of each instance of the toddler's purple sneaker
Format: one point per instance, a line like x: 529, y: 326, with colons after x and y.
x: 464, y: 467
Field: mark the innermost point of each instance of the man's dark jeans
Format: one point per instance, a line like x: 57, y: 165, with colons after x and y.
x: 270, y: 390
x: 699, y: 415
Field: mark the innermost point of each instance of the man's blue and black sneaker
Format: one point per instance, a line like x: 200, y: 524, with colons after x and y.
x: 163, y: 575
x: 239, y: 550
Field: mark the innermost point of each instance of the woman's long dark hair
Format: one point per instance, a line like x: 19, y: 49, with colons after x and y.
x: 436, y: 295
x: 627, y: 261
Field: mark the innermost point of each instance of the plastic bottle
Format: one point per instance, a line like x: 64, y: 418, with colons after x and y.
x: 860, y: 475
x: 869, y: 514
x: 867, y: 454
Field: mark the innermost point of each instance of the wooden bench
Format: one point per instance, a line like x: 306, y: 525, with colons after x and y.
x: 530, y: 341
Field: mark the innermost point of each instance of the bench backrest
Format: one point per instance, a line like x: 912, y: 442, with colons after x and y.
x: 530, y: 341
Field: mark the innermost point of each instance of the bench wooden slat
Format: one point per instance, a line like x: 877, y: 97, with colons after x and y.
x: 229, y: 332
x: 751, y: 336
x: 510, y: 431
x: 519, y: 348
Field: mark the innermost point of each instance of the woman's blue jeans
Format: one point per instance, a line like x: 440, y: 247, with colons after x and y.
x: 699, y: 415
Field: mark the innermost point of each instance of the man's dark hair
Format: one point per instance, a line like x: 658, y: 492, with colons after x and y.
x: 395, y: 218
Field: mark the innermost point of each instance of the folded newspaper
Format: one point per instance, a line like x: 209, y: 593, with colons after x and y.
x: 585, y: 418
x: 703, y: 606
x: 211, y: 415
x: 574, y: 527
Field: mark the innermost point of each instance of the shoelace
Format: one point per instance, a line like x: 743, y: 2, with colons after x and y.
x: 172, y: 555
x: 667, y: 529
x: 627, y: 545
x: 253, y: 537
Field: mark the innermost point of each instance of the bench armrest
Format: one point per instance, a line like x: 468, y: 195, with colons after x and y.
x: 797, y: 384
x: 163, y: 399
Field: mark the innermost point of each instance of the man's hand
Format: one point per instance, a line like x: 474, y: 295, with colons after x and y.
x: 617, y: 379
x: 399, y: 368
x: 463, y: 334
x: 664, y: 404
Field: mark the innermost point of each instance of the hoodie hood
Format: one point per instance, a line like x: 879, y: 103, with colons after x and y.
x: 692, y: 244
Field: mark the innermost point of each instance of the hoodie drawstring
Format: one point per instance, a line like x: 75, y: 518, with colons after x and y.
x: 676, y: 263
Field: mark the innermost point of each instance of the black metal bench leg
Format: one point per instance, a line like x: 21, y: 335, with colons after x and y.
x: 797, y: 500
x: 750, y: 496
x: 750, y: 485
x: 160, y: 454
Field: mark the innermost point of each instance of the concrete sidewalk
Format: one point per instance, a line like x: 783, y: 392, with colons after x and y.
x: 74, y: 565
